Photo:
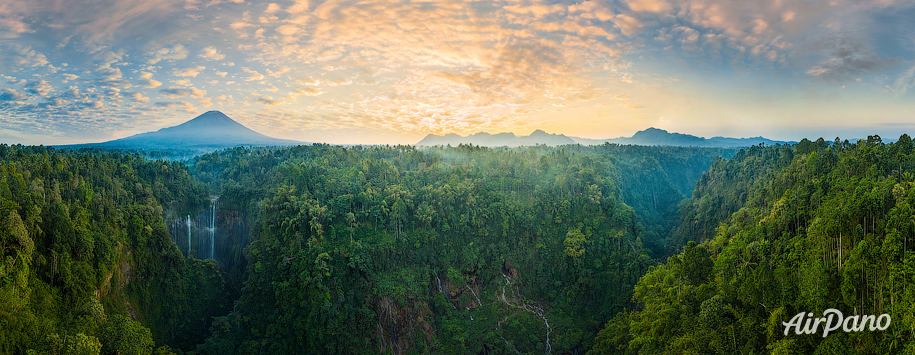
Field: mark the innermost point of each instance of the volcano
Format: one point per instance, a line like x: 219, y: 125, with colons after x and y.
x: 209, y: 131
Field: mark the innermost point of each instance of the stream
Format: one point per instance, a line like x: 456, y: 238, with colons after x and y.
x: 520, y: 302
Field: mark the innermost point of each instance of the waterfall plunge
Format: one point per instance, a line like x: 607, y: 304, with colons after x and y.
x: 204, y: 234
x: 188, y: 236
x: 212, y: 228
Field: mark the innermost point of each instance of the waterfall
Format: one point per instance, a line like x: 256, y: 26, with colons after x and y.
x: 213, y: 228
x: 201, y: 229
x: 188, y: 236
x: 521, y: 302
x: 479, y: 303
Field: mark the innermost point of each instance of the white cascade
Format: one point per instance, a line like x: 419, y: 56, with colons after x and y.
x: 212, y: 229
x: 188, y: 236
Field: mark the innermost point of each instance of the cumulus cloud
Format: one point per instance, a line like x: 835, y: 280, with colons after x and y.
x: 147, y: 81
x: 310, y: 91
x: 138, y: 97
x: 16, y: 56
x: 39, y: 87
x: 253, y: 75
x: 8, y: 94
x: 171, y: 54
x: 188, y: 71
x: 649, y: 5
x: 210, y: 53
x: 266, y: 100
x: 181, y: 105
x: 198, y: 93
x: 308, y: 81
x: 174, y: 92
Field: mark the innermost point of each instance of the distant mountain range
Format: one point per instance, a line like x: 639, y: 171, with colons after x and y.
x: 651, y: 136
x: 208, y: 132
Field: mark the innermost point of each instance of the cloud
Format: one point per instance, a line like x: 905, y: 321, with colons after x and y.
x: 253, y: 75
x: 188, y: 71
x: 310, y: 91
x: 8, y: 94
x: 12, y: 26
x: 421, y: 67
x: 339, y: 82
x: 138, y: 97
x: 308, y: 81
x: 649, y: 5
x: 210, y: 53
x: 904, y: 81
x: 17, y: 56
x: 288, y: 30
x: 181, y: 105
x: 174, y: 92
x: 846, y: 60
x: 94, y: 105
x: 266, y: 100
x: 538, y: 11
x: 198, y: 93
x: 628, y: 25
x: 111, y: 76
x: 97, y: 23
x: 174, y: 53
x: 39, y: 87
x: 147, y: 81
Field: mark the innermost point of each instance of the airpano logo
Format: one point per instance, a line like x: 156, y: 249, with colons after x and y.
x: 832, y: 320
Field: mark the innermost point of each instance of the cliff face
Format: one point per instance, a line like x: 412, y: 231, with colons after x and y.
x: 218, y: 234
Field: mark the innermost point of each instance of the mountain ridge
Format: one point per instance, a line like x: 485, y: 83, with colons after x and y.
x: 649, y: 136
x: 497, y: 140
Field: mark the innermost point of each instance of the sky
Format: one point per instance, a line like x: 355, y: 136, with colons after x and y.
x: 393, y: 71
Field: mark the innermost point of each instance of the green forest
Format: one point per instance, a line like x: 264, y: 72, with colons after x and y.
x: 458, y: 250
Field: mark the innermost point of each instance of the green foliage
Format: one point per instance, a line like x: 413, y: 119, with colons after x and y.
x: 83, y: 245
x: 443, y: 250
x: 575, y: 243
x: 787, y: 229
x: 123, y: 335
x: 463, y: 249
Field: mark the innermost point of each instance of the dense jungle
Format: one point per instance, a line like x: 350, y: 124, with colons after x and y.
x: 609, y: 249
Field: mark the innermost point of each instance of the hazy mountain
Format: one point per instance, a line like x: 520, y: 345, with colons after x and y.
x: 651, y: 136
x: 209, y: 131
x: 497, y: 140
x: 654, y: 136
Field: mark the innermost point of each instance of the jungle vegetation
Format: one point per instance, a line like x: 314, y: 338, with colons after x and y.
x: 603, y: 249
